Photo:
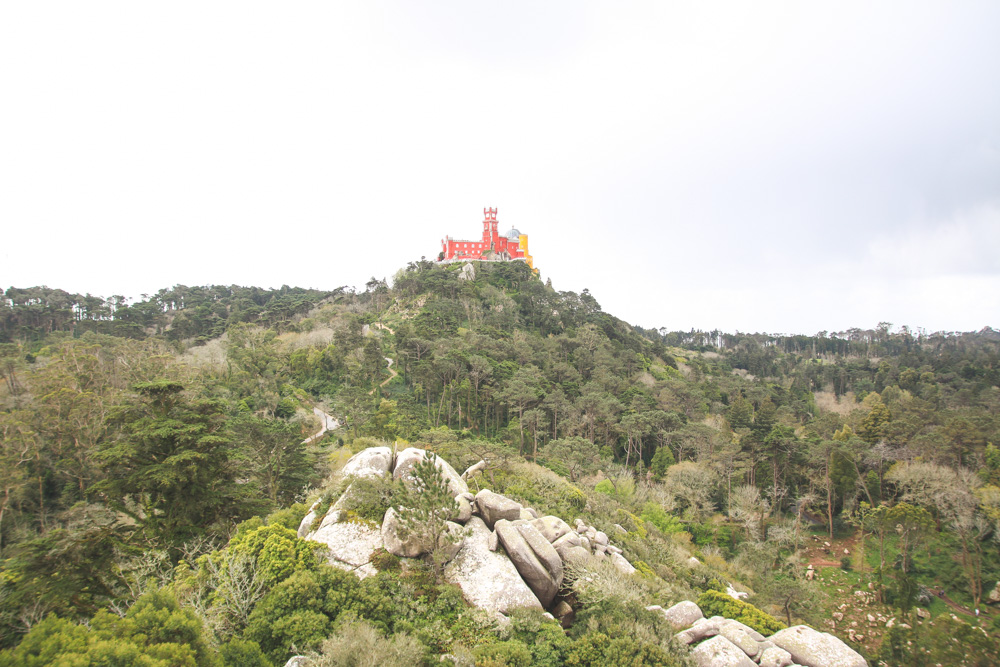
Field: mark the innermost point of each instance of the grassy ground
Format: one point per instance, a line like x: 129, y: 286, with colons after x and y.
x: 852, y: 593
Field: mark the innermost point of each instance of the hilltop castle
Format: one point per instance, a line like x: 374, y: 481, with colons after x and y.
x: 512, y: 246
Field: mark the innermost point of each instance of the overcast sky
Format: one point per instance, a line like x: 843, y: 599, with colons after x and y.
x: 783, y: 167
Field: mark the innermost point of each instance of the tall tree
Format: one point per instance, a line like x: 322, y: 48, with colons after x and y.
x: 168, y: 465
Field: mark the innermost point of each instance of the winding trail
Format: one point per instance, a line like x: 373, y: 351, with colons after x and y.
x: 388, y: 379
x: 983, y: 609
x: 327, y: 423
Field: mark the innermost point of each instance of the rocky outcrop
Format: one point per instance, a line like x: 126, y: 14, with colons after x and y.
x: 744, y: 638
x: 552, y: 527
x: 520, y: 563
x: 702, y: 629
x: 372, y: 462
x: 621, y: 563
x: 350, y: 544
x: 408, y: 459
x: 306, y: 524
x: 722, y: 641
x: 488, y: 579
x: 811, y: 647
x: 395, y: 543
x: 570, y: 548
x: 535, y: 559
x: 681, y: 615
x: 718, y: 652
x: 493, y: 507
x: 473, y: 469
x: 464, y: 512
x: 774, y: 656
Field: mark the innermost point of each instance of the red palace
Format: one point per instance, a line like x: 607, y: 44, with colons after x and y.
x: 512, y: 246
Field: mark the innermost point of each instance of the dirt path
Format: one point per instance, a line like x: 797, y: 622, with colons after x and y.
x: 327, y: 423
x: 983, y: 609
x: 389, y: 379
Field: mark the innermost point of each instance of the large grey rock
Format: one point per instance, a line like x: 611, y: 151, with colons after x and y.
x: 408, y: 459
x: 552, y: 527
x: 816, y: 649
x: 306, y: 524
x: 746, y: 629
x: 706, y: 627
x: 371, y: 462
x: 535, y: 559
x: 409, y: 547
x: 473, y: 469
x: 683, y: 614
x: 622, y: 564
x: 720, y: 652
x: 350, y: 544
x: 571, y: 549
x: 745, y: 638
x: 464, y: 512
x: 493, y: 507
x: 994, y: 595
x: 561, y: 609
x: 488, y: 579
x: 775, y: 656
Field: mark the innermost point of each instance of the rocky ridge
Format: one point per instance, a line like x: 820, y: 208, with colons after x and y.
x: 723, y: 642
x: 503, y: 555
x: 506, y: 556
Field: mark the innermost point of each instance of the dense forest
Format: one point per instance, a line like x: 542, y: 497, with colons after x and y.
x: 156, y: 462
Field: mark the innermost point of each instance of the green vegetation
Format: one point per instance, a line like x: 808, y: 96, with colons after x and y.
x: 149, y: 464
x: 715, y: 603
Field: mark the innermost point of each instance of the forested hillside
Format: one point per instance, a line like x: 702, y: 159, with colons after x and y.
x: 154, y: 468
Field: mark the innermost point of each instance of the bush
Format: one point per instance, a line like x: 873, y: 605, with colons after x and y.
x: 606, y: 487
x: 277, y: 551
x: 241, y: 653
x: 510, y: 653
x: 383, y: 561
x: 298, y: 613
x: 845, y: 563
x: 598, y: 650
x: 360, y: 643
x: 654, y: 514
x: 714, y: 603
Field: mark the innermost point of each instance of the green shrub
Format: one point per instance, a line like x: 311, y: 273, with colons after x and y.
x: 360, y: 643
x: 298, y: 613
x: 510, y: 653
x: 383, y: 561
x: 598, y: 650
x: 544, y: 637
x: 155, y: 632
x: 606, y: 487
x: 656, y: 515
x: 277, y: 550
x: 290, y: 517
x: 242, y: 653
x: 714, y: 603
